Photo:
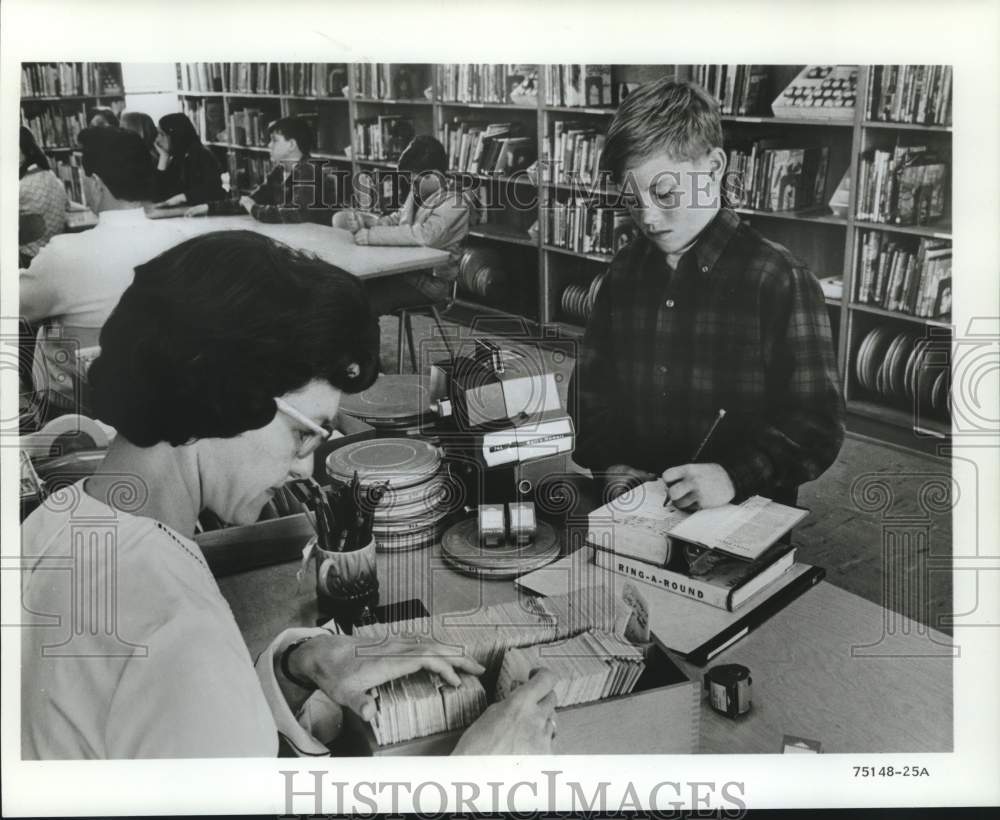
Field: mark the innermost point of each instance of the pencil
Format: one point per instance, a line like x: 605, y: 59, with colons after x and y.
x: 711, y: 430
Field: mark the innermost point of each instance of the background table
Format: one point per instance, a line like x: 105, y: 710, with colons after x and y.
x: 809, y: 676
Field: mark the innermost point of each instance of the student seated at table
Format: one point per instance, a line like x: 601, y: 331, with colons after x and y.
x: 221, y: 370
x: 103, y: 117
x: 40, y: 194
x: 186, y: 171
x: 700, y: 314
x: 76, y: 280
x: 143, y: 125
x: 292, y: 190
x: 435, y: 215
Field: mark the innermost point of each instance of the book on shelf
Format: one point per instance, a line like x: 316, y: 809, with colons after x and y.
x: 918, y: 94
x: 580, y: 225
x: 70, y: 173
x: 203, y: 77
x: 907, y: 185
x: 70, y: 79
x: 579, y: 86
x: 313, y: 79
x: 475, y: 83
x: 738, y: 88
x: 573, y: 152
x: 54, y: 128
x: 248, y: 127
x: 478, y: 147
x: 770, y: 175
x: 898, y: 275
x: 383, y: 137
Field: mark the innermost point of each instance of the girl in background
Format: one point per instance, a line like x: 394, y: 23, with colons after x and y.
x: 42, y: 199
x: 144, y: 126
x: 186, y: 171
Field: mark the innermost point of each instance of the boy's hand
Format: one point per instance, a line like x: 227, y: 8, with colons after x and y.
x: 348, y: 220
x: 197, y: 210
x: 697, y: 486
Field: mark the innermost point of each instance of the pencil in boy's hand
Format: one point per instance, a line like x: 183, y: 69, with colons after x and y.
x: 704, y: 442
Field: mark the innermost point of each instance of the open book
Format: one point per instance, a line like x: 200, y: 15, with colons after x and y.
x: 638, y: 524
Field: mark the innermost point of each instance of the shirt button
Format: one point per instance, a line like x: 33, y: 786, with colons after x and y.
x: 662, y: 368
x: 704, y: 268
x: 669, y: 303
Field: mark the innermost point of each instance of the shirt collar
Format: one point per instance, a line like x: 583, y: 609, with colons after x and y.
x: 712, y: 241
x: 121, y: 216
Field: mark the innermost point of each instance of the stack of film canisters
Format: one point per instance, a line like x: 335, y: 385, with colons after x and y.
x: 394, y: 405
x: 463, y: 551
x: 420, y: 494
x: 902, y: 366
x: 578, y: 300
x: 481, y: 271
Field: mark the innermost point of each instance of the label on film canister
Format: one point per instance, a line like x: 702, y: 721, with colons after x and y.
x: 728, y: 688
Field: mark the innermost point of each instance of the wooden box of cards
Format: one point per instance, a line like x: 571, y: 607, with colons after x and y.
x: 660, y: 715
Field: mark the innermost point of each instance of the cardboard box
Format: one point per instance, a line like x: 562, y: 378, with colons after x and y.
x: 660, y: 716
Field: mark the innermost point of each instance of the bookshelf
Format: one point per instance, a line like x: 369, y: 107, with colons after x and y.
x: 541, y: 278
x: 56, y: 101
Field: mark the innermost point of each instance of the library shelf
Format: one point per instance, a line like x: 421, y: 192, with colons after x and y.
x: 190, y: 93
x: 570, y: 329
x: 875, y: 310
x: 377, y: 163
x: 258, y: 148
x: 603, y: 258
x: 761, y: 120
x: 798, y: 216
x: 328, y: 155
x: 496, y: 105
x: 251, y: 95
x: 907, y: 126
x: 376, y: 101
x: 562, y: 109
x: 930, y: 427
x: 519, y: 178
x: 487, y: 231
x: 941, y: 231
x: 328, y: 98
x: 75, y: 97
x: 59, y: 148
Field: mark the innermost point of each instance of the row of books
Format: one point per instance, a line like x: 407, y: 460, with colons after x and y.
x: 767, y: 177
x: 300, y: 79
x: 389, y: 81
x: 314, y: 79
x: 383, y: 137
x: 251, y: 171
x: 582, y: 225
x: 70, y: 173
x: 910, y: 93
x: 70, y: 79
x: 579, y: 86
x: 573, y: 152
x: 248, y: 127
x: 739, y: 88
x: 905, y: 186
x: 897, y: 276
x: 475, y: 82
x: 54, y: 129
x: 477, y: 147
x: 209, y: 118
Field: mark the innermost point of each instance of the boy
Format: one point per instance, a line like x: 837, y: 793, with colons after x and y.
x: 291, y: 192
x: 700, y: 314
x: 435, y: 215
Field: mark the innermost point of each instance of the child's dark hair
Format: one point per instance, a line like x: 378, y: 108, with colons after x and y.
x: 424, y: 153
x: 33, y: 155
x: 107, y: 117
x: 294, y: 128
x: 120, y: 158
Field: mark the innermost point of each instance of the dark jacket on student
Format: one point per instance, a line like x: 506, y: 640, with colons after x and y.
x: 193, y: 170
x: 290, y: 193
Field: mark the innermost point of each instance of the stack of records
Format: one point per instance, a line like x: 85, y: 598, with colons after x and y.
x: 578, y: 300
x: 481, y: 272
x: 591, y: 666
x: 463, y: 551
x: 394, y: 405
x: 420, y: 493
x: 903, y: 367
x: 422, y: 704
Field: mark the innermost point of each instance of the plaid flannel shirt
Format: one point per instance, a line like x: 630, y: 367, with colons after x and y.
x: 740, y: 325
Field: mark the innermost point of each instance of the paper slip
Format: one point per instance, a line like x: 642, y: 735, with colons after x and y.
x: 745, y: 531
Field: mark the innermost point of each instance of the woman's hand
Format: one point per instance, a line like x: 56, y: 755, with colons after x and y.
x: 347, y: 669
x: 197, y: 210
x: 523, y: 723
x: 174, y: 201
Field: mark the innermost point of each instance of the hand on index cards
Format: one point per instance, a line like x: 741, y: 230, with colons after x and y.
x: 522, y: 723
x: 697, y: 486
x: 347, y: 673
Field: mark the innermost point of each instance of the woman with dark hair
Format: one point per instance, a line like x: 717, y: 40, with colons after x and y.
x: 42, y: 199
x: 143, y: 125
x: 186, y: 171
x: 103, y: 117
x: 221, y: 368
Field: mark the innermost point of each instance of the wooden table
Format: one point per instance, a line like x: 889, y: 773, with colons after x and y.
x: 806, y: 681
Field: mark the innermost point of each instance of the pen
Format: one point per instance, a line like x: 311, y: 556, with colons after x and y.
x: 718, y: 417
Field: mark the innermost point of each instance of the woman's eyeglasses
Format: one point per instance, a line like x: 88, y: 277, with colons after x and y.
x: 308, y: 443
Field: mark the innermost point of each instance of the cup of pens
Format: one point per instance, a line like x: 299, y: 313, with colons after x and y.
x: 343, y: 551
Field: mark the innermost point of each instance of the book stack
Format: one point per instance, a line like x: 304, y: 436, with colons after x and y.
x: 311, y: 79
x: 251, y: 78
x: 203, y: 77
x: 573, y: 152
x: 383, y: 137
x: 69, y: 80
x: 248, y: 127
x: 721, y: 556
x: 476, y: 147
x: 475, y: 83
x: 54, y: 128
x: 896, y: 275
x: 579, y: 86
x: 738, y: 88
x: 910, y: 93
x: 905, y: 186
x: 767, y: 176
x: 593, y: 665
x: 582, y: 224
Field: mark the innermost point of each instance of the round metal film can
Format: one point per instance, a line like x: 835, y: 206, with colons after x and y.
x: 728, y: 688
